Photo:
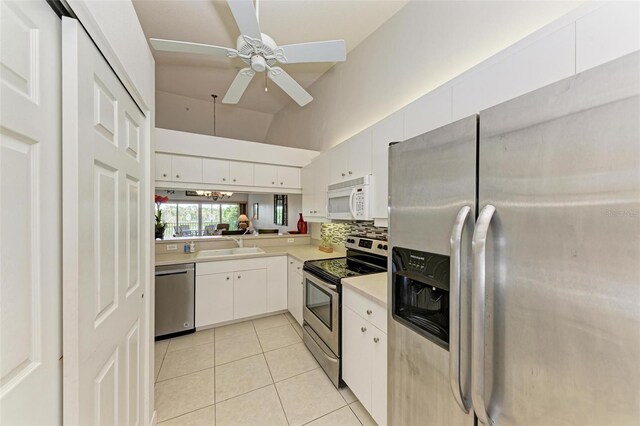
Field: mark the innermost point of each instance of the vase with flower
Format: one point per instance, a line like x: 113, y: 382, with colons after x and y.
x: 160, y: 224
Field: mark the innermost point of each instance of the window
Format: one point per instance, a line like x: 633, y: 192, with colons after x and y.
x: 190, y: 219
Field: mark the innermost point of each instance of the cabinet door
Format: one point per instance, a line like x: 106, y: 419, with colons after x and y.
x: 215, y: 171
x: 288, y: 177
x: 186, y: 169
x: 265, y: 175
x: 322, y: 179
x: 309, y: 189
x: 276, y: 283
x: 379, y: 378
x: 356, y: 355
x: 249, y: 293
x: 339, y: 162
x: 163, y: 167
x: 214, y: 299
x: 294, y: 289
x: 241, y: 173
x: 359, y: 155
x: 391, y: 129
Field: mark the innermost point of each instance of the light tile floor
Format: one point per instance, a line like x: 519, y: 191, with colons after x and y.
x: 251, y: 373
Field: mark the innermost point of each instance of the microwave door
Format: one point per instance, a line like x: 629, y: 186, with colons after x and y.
x: 352, y: 210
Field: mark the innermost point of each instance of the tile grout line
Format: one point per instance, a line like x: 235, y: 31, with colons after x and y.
x: 274, y: 383
x: 330, y: 412
x: 354, y: 413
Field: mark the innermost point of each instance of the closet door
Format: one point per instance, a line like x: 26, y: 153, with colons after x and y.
x: 30, y: 204
x: 104, y: 206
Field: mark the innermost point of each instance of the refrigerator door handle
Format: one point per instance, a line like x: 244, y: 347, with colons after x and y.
x: 454, y: 312
x: 479, y: 248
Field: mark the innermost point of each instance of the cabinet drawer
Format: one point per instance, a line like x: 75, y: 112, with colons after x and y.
x: 220, y: 266
x: 366, y: 308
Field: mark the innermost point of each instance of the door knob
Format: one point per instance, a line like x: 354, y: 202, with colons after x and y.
x: 369, y: 311
x: 376, y: 340
x: 363, y: 329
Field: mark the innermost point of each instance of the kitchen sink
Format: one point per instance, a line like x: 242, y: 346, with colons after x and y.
x: 238, y: 251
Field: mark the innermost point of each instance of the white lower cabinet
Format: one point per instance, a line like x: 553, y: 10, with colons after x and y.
x: 364, y: 359
x: 249, y: 293
x: 234, y: 289
x: 213, y: 294
x: 295, y: 288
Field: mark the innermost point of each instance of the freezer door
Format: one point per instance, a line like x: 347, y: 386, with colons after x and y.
x: 432, y: 178
x: 561, y: 166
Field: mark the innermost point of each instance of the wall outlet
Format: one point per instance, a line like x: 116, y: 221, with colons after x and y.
x: 172, y: 247
x: 289, y: 240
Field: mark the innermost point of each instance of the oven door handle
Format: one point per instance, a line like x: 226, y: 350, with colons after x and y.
x: 455, y: 312
x: 322, y: 284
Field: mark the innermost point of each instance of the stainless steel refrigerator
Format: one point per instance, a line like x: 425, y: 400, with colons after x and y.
x: 515, y: 260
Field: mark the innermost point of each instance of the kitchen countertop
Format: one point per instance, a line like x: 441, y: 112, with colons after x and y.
x: 373, y: 286
x: 299, y: 252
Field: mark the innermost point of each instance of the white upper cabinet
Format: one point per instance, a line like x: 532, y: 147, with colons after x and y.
x: 265, y: 175
x: 315, y: 179
x: 241, y: 173
x: 215, y: 171
x: 288, y: 177
x: 163, y: 167
x: 391, y: 129
x: 186, y: 169
x: 352, y: 158
x: 276, y: 176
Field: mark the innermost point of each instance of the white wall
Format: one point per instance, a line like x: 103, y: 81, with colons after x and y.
x: 424, y: 45
x: 186, y: 114
x: 265, y: 209
x: 175, y: 142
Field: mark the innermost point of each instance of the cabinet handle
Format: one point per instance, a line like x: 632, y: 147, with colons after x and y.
x: 227, y: 278
x: 239, y: 276
x: 343, y: 174
x: 273, y: 183
x: 376, y: 340
x: 224, y: 179
x: 281, y: 183
x: 234, y: 180
x: 164, y: 175
x: 350, y: 172
x: 369, y: 311
x: 177, y: 176
x: 290, y: 263
x: 363, y: 329
x: 298, y: 268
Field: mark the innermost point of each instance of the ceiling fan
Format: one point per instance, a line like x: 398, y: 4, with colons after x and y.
x: 261, y: 53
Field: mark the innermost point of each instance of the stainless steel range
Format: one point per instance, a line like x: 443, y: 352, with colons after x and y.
x: 323, y: 297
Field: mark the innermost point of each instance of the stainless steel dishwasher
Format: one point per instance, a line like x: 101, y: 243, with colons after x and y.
x: 175, y: 300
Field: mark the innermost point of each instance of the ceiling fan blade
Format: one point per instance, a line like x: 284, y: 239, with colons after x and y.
x: 319, y: 51
x: 186, y: 47
x: 245, y: 15
x: 289, y: 85
x: 239, y: 85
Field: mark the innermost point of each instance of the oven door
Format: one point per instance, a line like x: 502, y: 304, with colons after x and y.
x: 321, y: 310
x: 340, y: 203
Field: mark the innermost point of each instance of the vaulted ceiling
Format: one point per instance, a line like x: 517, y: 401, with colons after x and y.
x: 287, y: 22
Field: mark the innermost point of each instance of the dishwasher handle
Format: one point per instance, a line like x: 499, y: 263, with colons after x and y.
x: 173, y: 272
x: 176, y: 270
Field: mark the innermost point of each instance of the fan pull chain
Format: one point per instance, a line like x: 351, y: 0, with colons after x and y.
x: 214, y: 113
x: 265, y: 81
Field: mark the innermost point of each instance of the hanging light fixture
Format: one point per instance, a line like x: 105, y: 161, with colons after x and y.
x: 214, y: 112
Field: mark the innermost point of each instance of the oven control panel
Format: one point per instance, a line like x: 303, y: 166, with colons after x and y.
x: 367, y: 244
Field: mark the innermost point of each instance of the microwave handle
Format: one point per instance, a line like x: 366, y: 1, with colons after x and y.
x: 353, y: 193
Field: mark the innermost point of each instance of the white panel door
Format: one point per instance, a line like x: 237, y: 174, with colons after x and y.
x: 265, y: 175
x: 356, y: 355
x: 288, y: 177
x: 215, y: 171
x: 214, y: 298
x: 379, y: 377
x: 104, y: 277
x: 359, y: 154
x: 163, y: 167
x: 241, y: 173
x: 30, y: 207
x: 186, y: 169
x: 249, y: 293
x: 294, y: 289
x: 276, y: 283
x: 391, y: 129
